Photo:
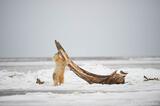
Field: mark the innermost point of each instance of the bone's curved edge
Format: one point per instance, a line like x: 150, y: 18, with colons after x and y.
x: 61, y: 50
x: 87, y: 76
x: 59, y: 46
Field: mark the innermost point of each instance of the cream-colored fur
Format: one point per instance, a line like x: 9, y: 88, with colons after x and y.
x: 58, y: 75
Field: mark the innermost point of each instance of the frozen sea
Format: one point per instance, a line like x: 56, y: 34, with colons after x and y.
x: 18, y: 87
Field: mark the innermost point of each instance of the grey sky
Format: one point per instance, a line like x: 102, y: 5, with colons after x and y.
x: 28, y: 28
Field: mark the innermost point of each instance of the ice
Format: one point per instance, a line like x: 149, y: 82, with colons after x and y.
x: 75, y: 99
x: 18, y: 87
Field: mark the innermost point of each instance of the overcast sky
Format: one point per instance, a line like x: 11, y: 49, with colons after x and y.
x: 28, y: 28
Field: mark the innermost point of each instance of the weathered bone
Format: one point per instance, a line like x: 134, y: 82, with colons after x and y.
x: 114, y: 78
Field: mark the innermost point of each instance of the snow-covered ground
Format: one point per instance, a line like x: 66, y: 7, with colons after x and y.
x: 18, y: 87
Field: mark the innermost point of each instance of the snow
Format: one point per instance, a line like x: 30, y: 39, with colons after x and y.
x: 18, y: 87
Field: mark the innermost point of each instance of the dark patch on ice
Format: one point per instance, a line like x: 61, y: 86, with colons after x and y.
x: 23, y: 92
